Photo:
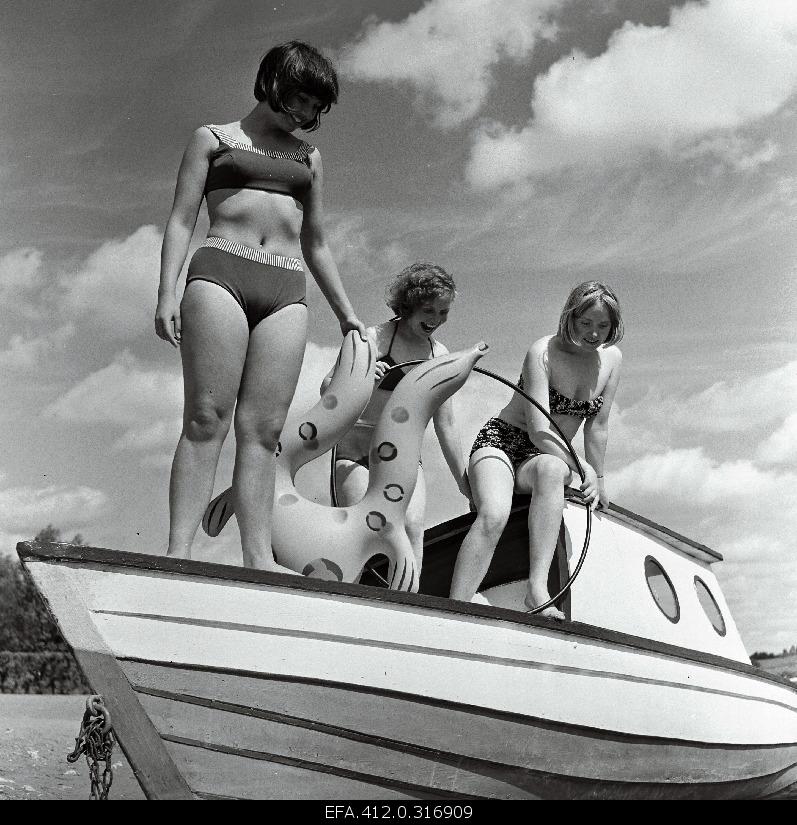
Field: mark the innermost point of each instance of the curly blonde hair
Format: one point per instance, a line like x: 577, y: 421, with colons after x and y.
x: 416, y: 284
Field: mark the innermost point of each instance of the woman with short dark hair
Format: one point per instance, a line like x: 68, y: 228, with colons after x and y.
x: 241, y: 325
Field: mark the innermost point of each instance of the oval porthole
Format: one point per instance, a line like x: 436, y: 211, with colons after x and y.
x: 710, y: 606
x: 662, y: 590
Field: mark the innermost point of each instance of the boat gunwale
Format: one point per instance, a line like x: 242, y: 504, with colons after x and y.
x: 64, y: 552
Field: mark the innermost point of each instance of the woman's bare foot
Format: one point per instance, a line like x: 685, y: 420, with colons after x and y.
x: 550, y: 612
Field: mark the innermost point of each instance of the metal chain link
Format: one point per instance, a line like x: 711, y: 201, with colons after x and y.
x: 95, y: 741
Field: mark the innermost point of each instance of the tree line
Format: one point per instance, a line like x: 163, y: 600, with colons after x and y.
x: 34, y: 658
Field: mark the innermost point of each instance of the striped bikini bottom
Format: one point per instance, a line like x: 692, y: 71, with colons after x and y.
x: 261, y: 282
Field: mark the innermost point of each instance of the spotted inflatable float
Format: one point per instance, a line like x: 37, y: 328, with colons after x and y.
x: 336, y: 542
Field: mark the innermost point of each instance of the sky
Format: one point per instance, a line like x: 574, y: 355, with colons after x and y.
x: 523, y: 145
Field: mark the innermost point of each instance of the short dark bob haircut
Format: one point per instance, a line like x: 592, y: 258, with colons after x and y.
x: 582, y: 298
x: 292, y: 68
x: 417, y: 284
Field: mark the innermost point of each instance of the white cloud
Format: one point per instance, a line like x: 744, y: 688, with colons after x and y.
x: 115, y: 291
x: 123, y: 393
x: 26, y: 353
x: 781, y: 446
x: 745, y: 405
x: 718, y: 66
x: 446, y: 51
x: 25, y: 510
x: 20, y: 271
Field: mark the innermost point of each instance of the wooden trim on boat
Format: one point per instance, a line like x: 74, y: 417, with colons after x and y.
x: 141, y: 743
x: 51, y: 551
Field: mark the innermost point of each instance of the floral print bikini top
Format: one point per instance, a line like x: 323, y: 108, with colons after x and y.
x: 562, y: 405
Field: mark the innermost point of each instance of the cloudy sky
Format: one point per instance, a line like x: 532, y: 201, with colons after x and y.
x: 524, y: 145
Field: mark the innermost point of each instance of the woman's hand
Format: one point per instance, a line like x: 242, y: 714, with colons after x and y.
x: 589, y: 487
x: 167, y: 320
x: 603, y: 496
x: 380, y: 371
x: 352, y: 322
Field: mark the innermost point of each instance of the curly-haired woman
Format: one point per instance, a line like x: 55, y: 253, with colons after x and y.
x: 420, y: 296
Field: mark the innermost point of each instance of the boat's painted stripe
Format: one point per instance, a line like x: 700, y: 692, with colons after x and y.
x: 316, y: 767
x: 207, y: 570
x: 529, y: 784
x: 213, y: 773
x: 444, y: 653
x: 440, y: 703
x: 526, y: 746
x: 151, y: 763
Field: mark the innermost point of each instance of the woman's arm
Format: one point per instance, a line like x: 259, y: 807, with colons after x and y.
x: 319, y: 258
x: 179, y: 229
x: 544, y: 436
x: 596, y: 430
x: 448, y: 435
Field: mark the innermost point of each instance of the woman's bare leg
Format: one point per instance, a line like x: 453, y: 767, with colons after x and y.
x: 544, y: 476
x: 415, y: 517
x: 215, y: 336
x: 492, y: 482
x: 273, y: 362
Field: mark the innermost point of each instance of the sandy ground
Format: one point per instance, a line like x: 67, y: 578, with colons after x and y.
x: 36, y: 734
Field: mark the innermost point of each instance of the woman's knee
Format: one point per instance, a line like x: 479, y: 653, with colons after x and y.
x: 548, y: 471
x: 491, y: 519
x: 206, y: 422
x: 255, y: 427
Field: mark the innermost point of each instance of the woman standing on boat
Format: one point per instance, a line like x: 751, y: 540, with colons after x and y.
x: 420, y: 296
x: 241, y: 326
x: 574, y: 375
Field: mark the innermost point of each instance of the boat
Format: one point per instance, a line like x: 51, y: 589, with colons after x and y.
x: 226, y: 682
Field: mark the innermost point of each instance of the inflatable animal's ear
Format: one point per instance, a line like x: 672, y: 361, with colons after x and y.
x: 337, y: 542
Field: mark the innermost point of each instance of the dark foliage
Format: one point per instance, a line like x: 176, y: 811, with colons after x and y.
x: 34, y: 658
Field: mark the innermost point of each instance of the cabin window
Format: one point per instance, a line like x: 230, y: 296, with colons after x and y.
x: 662, y: 590
x: 710, y: 606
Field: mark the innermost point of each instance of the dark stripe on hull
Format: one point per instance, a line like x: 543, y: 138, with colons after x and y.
x: 115, y: 561
x: 444, y: 653
x: 442, y: 747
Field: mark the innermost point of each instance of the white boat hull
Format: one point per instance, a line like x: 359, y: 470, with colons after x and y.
x: 258, y: 685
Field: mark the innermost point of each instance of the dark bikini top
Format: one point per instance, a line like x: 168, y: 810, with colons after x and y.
x: 562, y: 405
x: 391, y: 380
x: 236, y: 165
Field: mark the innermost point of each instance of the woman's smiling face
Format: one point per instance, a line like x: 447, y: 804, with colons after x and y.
x: 592, y: 327
x: 429, y: 315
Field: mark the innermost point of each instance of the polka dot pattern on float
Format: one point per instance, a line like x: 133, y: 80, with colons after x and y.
x: 400, y: 415
x: 339, y: 515
x: 329, y: 401
x: 288, y: 499
x: 394, y: 492
x: 308, y: 431
x: 323, y: 569
x: 387, y: 451
x: 375, y: 521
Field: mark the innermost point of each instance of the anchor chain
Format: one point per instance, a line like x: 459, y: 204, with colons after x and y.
x: 95, y: 741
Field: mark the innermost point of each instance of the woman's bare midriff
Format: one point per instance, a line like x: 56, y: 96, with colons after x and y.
x: 269, y: 221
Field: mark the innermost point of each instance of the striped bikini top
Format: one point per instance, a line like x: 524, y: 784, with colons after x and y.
x: 237, y: 165
x: 562, y: 405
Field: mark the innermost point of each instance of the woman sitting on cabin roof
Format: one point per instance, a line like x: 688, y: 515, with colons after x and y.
x: 421, y: 297
x: 574, y: 375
